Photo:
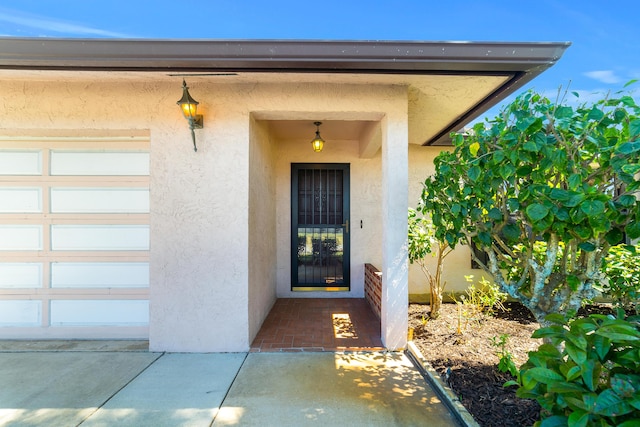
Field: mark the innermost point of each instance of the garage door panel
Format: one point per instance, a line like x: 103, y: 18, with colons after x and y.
x: 100, y: 275
x: 20, y: 275
x: 107, y: 163
x: 100, y: 200
x: 20, y: 313
x: 100, y: 237
x: 15, y: 162
x: 20, y: 200
x: 20, y: 237
x: 99, y: 312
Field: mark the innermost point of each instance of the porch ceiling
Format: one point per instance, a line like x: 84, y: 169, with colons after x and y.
x: 436, y: 103
x: 448, y: 83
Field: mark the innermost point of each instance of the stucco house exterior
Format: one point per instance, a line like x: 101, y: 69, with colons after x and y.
x: 112, y: 226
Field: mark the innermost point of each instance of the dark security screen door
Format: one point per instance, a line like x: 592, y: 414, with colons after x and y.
x: 320, y: 227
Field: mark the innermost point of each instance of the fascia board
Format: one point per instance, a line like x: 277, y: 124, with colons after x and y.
x: 277, y: 55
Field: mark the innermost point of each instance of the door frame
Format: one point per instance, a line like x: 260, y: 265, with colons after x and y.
x: 346, y: 196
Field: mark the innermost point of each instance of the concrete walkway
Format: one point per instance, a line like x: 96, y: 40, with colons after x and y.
x: 72, y: 386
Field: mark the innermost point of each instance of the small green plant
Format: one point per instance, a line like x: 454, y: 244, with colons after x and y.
x: 424, y: 320
x: 588, y: 374
x: 467, y: 313
x: 621, y: 267
x: 477, y: 302
x: 460, y: 328
x: 486, y: 297
x: 506, y: 363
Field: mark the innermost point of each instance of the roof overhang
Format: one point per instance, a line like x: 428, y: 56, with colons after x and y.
x: 449, y: 83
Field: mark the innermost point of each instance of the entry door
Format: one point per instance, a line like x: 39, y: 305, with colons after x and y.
x: 320, y: 227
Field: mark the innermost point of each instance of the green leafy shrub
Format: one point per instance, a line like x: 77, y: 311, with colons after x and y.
x: 506, y: 363
x: 621, y: 267
x: 541, y: 171
x: 589, y: 373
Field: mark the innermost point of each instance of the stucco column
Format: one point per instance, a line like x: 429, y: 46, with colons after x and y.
x: 395, y: 278
x: 199, y: 253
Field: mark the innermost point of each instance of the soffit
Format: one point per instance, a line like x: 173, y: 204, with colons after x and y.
x: 435, y: 101
x: 448, y: 83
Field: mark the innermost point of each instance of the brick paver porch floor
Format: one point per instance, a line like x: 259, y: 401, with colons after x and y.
x: 319, y: 324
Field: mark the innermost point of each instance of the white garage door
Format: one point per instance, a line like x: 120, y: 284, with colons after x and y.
x: 74, y: 237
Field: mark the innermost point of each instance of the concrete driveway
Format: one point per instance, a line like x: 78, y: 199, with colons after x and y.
x: 108, y: 384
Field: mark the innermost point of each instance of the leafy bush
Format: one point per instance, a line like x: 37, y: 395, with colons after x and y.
x: 506, y: 363
x: 589, y: 373
x: 621, y: 267
x: 542, y: 171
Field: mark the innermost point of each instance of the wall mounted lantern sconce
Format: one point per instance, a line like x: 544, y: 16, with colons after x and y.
x: 189, y: 108
x: 317, y: 143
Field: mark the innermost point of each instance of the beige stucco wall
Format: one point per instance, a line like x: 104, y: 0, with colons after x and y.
x: 200, y: 227
x: 262, y: 227
x: 220, y: 248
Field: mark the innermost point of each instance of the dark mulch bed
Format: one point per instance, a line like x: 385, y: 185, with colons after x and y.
x: 468, y: 361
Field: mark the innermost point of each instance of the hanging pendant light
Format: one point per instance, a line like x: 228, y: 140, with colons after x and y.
x: 317, y: 143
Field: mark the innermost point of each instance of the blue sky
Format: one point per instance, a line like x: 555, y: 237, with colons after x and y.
x: 604, y: 56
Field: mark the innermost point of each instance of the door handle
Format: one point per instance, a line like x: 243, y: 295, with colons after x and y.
x: 346, y: 226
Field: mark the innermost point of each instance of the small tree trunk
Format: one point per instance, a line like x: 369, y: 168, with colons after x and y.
x: 436, y: 303
x: 436, y: 286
